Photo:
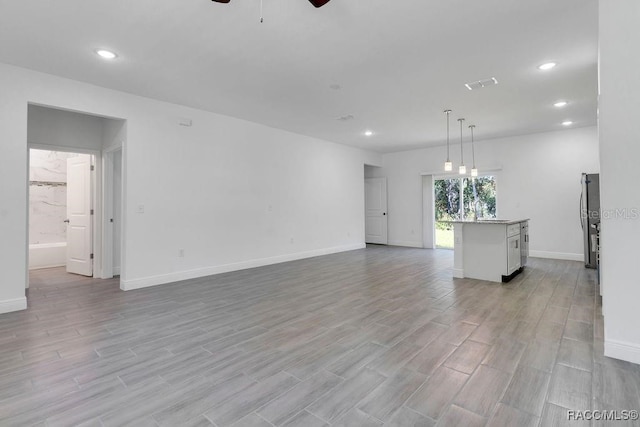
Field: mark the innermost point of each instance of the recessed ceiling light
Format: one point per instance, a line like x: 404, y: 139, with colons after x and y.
x: 547, y: 66
x: 335, y: 87
x: 567, y: 123
x: 368, y: 133
x: 560, y: 104
x: 106, y: 54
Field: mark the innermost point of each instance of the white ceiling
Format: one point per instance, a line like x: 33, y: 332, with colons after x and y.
x: 398, y: 63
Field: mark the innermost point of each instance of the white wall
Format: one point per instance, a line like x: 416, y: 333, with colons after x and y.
x: 231, y: 193
x: 47, y: 196
x: 48, y: 126
x: 539, y: 179
x: 619, y: 105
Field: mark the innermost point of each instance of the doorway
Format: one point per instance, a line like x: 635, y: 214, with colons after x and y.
x: 88, y: 221
x: 375, y: 202
x: 461, y: 198
x: 61, y: 206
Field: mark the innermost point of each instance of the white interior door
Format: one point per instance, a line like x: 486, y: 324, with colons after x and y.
x: 375, y: 203
x: 79, y: 247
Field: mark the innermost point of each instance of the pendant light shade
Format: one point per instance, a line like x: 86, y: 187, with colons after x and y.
x: 448, y: 166
x: 462, y: 170
x: 474, y: 170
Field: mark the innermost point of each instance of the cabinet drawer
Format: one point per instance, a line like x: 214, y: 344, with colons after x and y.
x: 513, y: 229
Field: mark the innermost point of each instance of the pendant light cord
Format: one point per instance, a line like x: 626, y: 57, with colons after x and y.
x: 461, y: 148
x: 473, y: 148
x: 447, y: 112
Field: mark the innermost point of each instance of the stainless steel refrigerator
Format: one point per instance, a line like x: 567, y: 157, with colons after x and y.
x: 590, y: 217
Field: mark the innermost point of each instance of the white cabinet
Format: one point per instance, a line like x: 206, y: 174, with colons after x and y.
x: 488, y: 250
x: 513, y: 254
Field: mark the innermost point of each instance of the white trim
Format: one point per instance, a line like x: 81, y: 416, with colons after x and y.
x: 458, y: 273
x: 557, y: 255
x: 106, y: 226
x: 62, y: 148
x: 10, y: 305
x: 405, y: 243
x: 127, y: 285
x: 622, y: 350
x: 116, y: 271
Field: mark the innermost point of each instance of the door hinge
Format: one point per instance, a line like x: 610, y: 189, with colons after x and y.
x: 91, y: 212
x: 93, y: 167
x: 91, y: 256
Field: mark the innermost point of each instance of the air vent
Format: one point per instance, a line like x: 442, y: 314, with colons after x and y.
x: 345, y: 118
x: 481, y: 83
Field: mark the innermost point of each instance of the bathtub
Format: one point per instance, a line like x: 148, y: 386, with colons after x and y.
x: 45, y: 255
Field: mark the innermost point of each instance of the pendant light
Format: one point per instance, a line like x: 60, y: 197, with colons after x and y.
x: 462, y: 169
x: 474, y: 170
x: 448, y: 166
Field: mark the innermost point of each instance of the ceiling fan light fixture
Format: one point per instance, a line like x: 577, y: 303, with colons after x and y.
x: 316, y: 3
x: 319, y: 3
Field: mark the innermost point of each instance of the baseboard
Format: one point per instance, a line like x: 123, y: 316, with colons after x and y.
x: 557, y: 255
x: 622, y: 350
x: 128, y: 285
x: 10, y: 305
x: 116, y: 271
x: 458, y: 273
x: 405, y: 243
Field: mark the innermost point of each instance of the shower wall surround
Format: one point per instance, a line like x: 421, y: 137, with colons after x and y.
x: 48, y: 196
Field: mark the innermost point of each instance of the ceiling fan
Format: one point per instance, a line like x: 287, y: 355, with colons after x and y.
x: 316, y: 3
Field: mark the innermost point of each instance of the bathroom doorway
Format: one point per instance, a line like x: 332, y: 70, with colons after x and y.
x: 61, y: 210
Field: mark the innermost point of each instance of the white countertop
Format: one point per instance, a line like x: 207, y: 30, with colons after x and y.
x: 488, y: 221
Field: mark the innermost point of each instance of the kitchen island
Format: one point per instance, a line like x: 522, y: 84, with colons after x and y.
x: 490, y: 249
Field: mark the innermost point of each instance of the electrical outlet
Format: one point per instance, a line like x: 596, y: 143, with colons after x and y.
x: 181, y: 253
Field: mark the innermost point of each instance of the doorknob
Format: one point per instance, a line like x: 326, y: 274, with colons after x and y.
x: 66, y: 220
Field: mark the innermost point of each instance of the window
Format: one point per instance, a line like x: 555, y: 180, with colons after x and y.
x: 478, y: 196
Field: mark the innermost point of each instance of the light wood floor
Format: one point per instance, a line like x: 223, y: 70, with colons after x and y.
x: 380, y: 336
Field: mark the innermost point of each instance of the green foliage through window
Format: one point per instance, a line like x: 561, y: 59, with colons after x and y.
x: 478, y: 196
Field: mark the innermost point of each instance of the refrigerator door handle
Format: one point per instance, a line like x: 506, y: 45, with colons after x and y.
x: 581, y: 213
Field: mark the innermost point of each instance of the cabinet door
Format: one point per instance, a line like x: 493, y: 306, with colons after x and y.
x: 513, y: 254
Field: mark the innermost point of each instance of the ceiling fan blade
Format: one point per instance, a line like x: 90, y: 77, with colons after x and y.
x: 221, y: 1
x: 319, y: 3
